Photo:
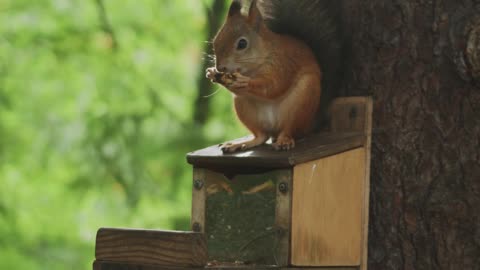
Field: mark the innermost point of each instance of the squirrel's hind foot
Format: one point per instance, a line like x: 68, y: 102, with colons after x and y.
x: 283, y: 143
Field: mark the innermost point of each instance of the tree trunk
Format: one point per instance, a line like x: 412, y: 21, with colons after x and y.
x: 202, y: 102
x: 420, y: 59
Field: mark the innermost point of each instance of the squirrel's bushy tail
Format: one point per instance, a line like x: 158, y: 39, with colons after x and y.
x: 318, y: 23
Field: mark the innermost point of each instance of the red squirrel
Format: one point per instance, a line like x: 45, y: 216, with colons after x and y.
x: 275, y: 79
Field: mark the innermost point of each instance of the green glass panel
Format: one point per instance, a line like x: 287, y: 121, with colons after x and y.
x: 240, y: 217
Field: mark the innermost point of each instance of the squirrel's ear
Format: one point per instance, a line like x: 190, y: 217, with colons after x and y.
x: 235, y: 8
x: 254, y: 15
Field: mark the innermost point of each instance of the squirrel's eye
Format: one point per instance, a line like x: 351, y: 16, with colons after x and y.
x: 242, y: 44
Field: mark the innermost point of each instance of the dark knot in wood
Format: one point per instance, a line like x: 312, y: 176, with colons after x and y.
x: 353, y: 113
x: 196, y: 227
x: 198, y: 184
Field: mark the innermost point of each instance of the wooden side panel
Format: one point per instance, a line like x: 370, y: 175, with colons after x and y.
x: 366, y: 196
x: 164, y: 248
x: 328, y: 197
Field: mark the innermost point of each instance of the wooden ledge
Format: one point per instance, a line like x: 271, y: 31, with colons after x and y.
x: 265, y: 157
x: 163, y: 248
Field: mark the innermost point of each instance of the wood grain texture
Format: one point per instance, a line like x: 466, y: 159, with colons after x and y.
x: 283, y: 221
x: 366, y: 195
x: 307, y: 149
x: 349, y: 114
x: 164, y: 248
x: 327, y: 210
x: 198, y: 199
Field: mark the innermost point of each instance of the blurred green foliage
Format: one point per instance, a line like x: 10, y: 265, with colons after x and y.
x: 96, y: 116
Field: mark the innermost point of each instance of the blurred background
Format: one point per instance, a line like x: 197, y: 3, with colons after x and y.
x: 100, y: 100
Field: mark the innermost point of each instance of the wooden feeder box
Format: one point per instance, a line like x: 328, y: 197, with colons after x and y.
x: 262, y: 209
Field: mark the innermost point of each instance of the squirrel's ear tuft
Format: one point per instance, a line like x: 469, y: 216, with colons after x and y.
x: 235, y: 8
x: 254, y: 15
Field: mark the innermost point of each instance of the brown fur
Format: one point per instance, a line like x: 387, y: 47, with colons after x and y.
x: 277, y: 91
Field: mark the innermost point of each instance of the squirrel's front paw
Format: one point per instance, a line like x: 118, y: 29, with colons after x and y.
x: 240, y: 83
x: 211, y: 73
x: 222, y: 78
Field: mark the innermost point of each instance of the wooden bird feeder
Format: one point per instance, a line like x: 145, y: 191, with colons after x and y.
x: 262, y: 209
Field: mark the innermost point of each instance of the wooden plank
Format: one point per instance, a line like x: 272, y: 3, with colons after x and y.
x: 106, y: 265
x: 331, y: 234
x: 349, y: 114
x: 283, y: 221
x: 324, y: 268
x: 97, y: 265
x: 307, y: 149
x: 366, y: 196
x: 164, y: 248
x: 198, y: 200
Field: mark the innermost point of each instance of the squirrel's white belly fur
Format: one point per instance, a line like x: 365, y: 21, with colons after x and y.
x: 268, y: 116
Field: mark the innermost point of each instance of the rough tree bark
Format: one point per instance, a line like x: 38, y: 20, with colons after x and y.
x: 420, y: 60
